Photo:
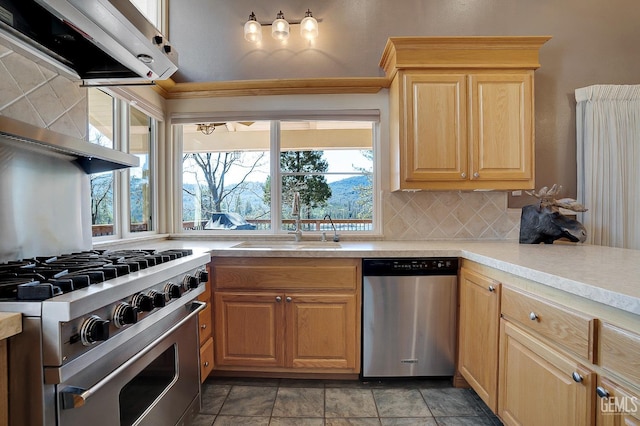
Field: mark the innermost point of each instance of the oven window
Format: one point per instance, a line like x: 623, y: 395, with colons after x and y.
x: 137, y: 395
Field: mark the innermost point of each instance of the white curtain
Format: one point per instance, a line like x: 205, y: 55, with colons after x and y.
x: 608, y: 156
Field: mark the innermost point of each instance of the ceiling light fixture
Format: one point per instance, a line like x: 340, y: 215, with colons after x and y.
x: 206, y: 129
x: 280, y: 27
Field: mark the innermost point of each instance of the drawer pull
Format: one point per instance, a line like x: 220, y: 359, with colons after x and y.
x: 533, y: 316
x: 577, y: 377
x: 278, y: 299
x: 602, y: 392
x: 492, y: 288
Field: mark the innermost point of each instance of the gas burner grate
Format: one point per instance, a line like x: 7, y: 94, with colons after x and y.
x: 44, y: 277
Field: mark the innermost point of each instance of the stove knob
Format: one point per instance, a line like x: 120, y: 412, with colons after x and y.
x: 189, y: 281
x: 202, y: 275
x: 142, y: 302
x: 159, y: 298
x: 173, y: 290
x: 94, y: 329
x: 124, y: 314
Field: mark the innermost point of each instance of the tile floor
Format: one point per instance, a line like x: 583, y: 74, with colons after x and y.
x: 285, y: 402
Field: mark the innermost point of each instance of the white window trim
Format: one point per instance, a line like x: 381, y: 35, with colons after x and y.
x: 123, y: 101
x: 179, y: 119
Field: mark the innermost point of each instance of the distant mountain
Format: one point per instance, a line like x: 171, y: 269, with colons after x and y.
x: 341, y: 204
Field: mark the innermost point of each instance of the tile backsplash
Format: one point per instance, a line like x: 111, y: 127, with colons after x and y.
x: 449, y: 215
x: 38, y: 96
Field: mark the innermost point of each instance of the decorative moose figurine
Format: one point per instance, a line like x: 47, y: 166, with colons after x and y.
x: 543, y: 223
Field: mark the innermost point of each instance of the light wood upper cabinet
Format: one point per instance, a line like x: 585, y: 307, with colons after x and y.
x: 501, y: 128
x: 461, y: 112
x: 434, y: 135
x: 479, y: 328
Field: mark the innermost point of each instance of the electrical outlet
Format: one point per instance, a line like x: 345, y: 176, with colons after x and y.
x: 516, y: 193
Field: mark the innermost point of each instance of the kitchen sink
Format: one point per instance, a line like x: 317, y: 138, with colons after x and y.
x: 288, y: 245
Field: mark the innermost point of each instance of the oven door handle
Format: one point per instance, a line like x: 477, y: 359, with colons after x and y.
x: 74, y: 397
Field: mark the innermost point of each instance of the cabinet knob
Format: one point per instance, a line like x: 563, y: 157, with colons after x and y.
x: 206, y: 363
x: 492, y: 288
x: 463, y: 175
x: 602, y: 392
x: 476, y: 175
x: 278, y: 299
x: 288, y: 299
x: 577, y: 377
x: 533, y: 316
x: 203, y: 326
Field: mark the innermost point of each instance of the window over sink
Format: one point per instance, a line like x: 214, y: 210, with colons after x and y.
x: 250, y: 171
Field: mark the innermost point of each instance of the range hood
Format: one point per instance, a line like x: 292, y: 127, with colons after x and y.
x: 90, y: 157
x: 102, y: 42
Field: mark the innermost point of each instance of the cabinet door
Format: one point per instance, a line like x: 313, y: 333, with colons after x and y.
x: 501, y: 123
x: 478, y: 334
x: 536, y: 383
x: 249, y: 329
x: 435, y: 139
x: 616, y: 406
x: 322, y: 331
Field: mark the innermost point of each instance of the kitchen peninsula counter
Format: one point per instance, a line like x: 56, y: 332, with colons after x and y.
x: 606, y: 275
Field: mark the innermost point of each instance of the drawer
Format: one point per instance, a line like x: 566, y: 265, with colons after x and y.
x: 619, y: 351
x: 205, y: 322
x: 563, y: 326
x: 206, y: 359
x: 286, y: 273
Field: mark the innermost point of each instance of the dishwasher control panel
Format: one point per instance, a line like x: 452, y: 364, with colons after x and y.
x: 410, y: 266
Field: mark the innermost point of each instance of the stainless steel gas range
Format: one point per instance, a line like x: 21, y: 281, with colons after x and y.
x: 109, y: 337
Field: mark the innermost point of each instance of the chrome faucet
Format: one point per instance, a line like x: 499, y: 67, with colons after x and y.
x: 336, y: 237
x: 295, y: 213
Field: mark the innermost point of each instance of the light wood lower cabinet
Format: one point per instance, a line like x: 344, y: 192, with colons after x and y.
x: 249, y: 329
x: 287, y: 315
x: 540, y: 385
x: 205, y: 332
x: 321, y: 331
x: 479, y: 326
x: 616, y: 405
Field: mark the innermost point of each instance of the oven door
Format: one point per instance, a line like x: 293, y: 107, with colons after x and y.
x: 157, y: 385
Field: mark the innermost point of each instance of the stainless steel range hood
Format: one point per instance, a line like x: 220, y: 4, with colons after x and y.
x: 90, y: 157
x: 102, y: 42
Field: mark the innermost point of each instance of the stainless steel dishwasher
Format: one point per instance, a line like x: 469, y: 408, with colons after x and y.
x: 409, y: 317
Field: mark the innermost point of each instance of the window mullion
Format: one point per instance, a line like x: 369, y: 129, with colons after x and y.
x: 276, y: 193
x: 121, y: 199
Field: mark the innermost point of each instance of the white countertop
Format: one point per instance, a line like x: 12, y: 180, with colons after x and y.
x: 602, y: 274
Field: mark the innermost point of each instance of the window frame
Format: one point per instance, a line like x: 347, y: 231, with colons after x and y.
x: 122, y: 105
x: 276, y: 117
